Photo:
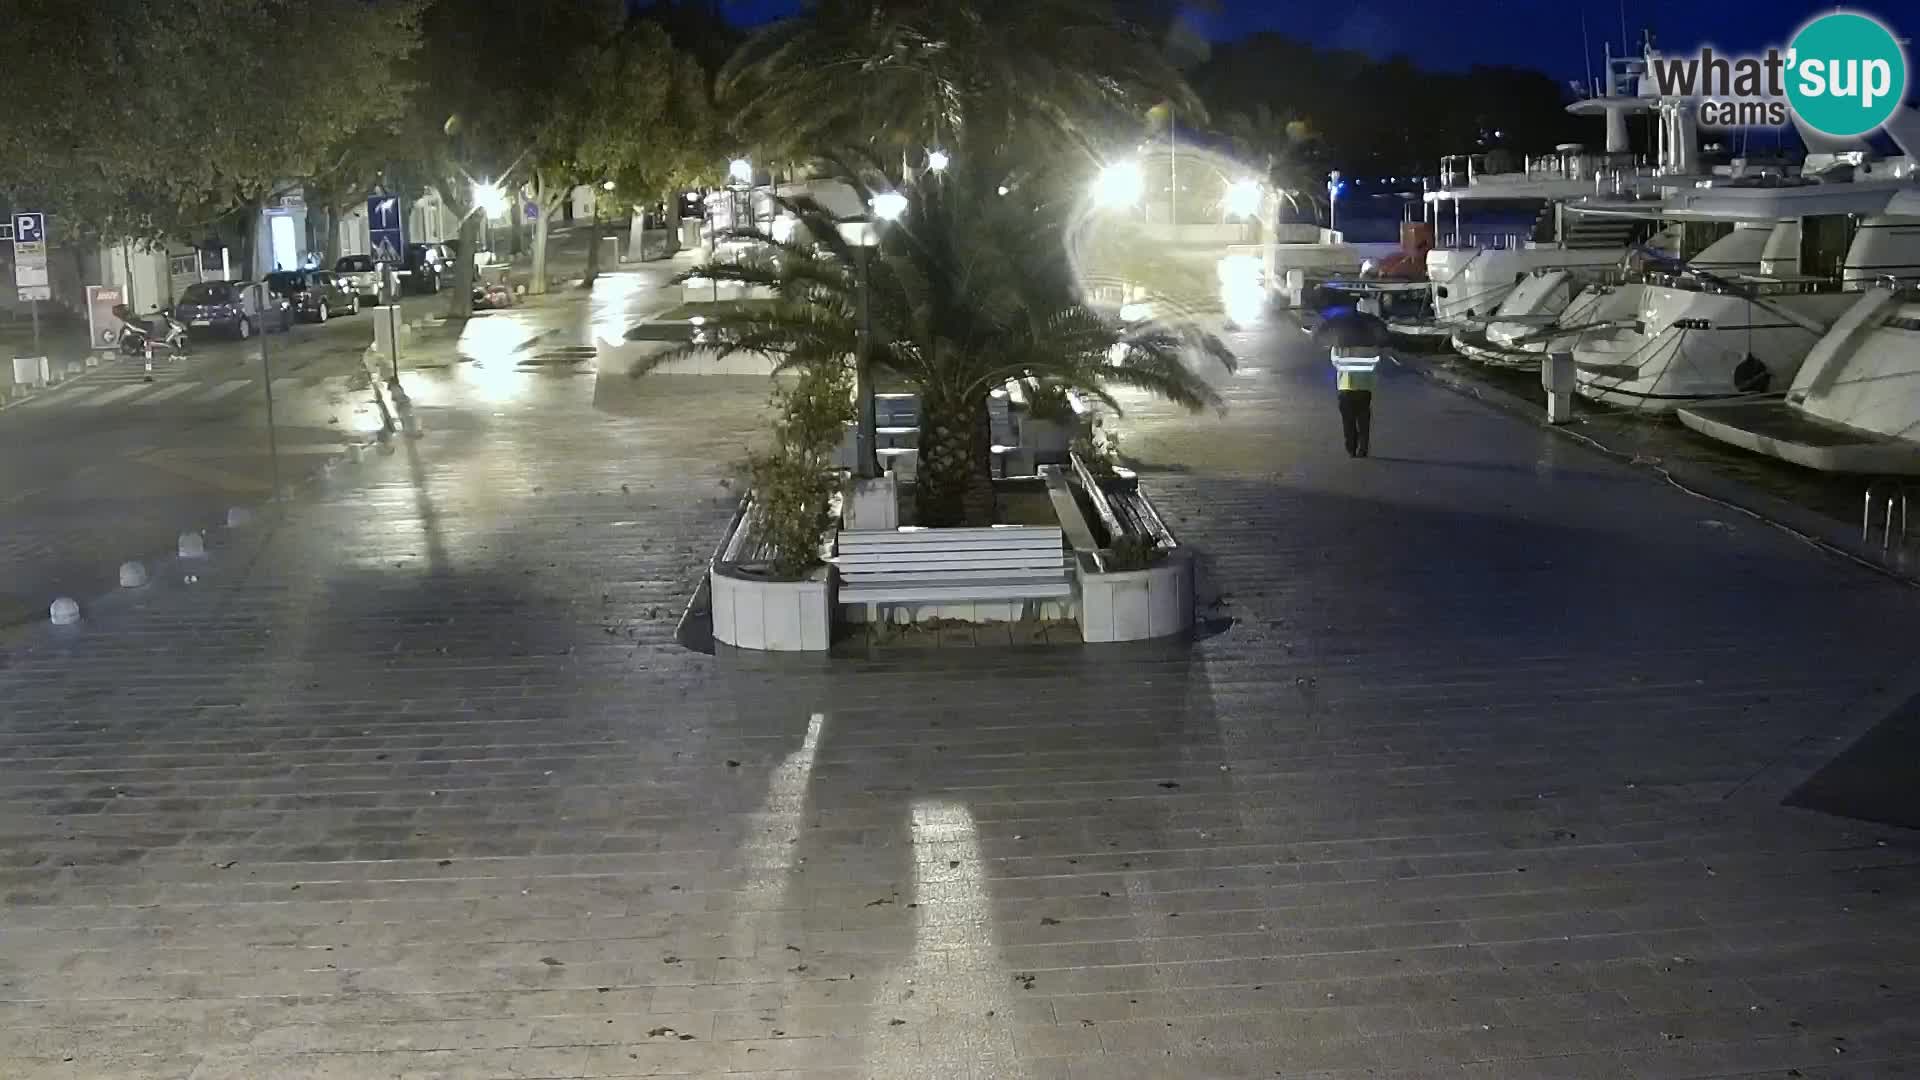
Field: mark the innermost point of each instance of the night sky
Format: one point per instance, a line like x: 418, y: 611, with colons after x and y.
x: 1543, y: 34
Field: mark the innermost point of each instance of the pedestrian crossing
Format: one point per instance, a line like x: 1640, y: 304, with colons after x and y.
x: 179, y: 390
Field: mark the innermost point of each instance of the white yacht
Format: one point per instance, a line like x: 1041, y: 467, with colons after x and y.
x: 1535, y: 269
x: 1700, y: 331
x: 1854, y: 405
x: 1551, y: 309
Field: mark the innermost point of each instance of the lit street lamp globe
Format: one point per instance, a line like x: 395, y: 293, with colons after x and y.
x: 490, y: 198
x: 1243, y: 198
x: 741, y: 170
x: 889, y: 205
x: 1120, y: 184
x: 937, y: 160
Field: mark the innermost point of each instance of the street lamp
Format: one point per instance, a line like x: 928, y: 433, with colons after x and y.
x: 741, y: 171
x: 1243, y: 198
x: 937, y: 160
x: 863, y: 236
x: 1120, y: 184
x: 888, y: 205
x: 489, y: 198
x: 1334, y: 187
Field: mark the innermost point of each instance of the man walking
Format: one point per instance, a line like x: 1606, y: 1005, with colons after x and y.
x: 1355, y: 340
x: 1356, y: 374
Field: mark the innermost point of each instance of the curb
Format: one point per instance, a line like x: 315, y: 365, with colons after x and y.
x: 1814, y: 529
x: 12, y: 395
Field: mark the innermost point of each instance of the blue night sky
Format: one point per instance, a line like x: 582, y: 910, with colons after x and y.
x: 1543, y: 34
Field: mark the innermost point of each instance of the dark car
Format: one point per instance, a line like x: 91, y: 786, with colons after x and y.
x: 230, y: 307
x: 427, y: 264
x: 314, y: 294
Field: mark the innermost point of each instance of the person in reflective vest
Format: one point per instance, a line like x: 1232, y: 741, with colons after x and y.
x: 1355, y: 369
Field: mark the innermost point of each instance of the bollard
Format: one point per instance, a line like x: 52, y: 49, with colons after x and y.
x: 1557, y: 379
x: 64, y: 612
x: 132, y: 575
x: 356, y: 452
x: 193, y: 546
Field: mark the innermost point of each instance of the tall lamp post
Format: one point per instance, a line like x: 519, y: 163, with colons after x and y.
x: 865, y: 236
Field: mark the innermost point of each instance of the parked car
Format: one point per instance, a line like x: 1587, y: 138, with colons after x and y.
x: 427, y: 264
x: 361, y: 274
x: 236, y: 308
x: 314, y: 294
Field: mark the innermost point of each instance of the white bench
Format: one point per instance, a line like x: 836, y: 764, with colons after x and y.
x: 929, y: 566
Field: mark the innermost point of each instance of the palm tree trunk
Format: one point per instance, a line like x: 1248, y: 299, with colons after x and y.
x: 955, y: 483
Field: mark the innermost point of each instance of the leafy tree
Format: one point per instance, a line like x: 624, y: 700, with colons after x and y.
x: 901, y: 76
x: 636, y: 114
x: 968, y: 290
x: 157, y: 120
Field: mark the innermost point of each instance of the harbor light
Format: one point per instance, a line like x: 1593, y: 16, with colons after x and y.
x: 1120, y: 184
x: 1243, y: 198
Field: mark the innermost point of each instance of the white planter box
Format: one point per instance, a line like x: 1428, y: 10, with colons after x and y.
x: 775, y: 616
x: 1136, y: 605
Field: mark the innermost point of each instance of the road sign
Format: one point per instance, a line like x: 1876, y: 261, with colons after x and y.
x: 30, y: 256
x: 386, y: 229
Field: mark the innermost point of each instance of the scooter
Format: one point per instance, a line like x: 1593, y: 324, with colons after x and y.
x: 140, y: 337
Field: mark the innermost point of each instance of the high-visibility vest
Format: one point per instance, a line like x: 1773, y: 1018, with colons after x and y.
x: 1356, y: 372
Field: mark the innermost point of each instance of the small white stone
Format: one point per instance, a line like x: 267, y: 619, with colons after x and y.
x: 132, y: 575
x: 64, y: 611
x: 193, y: 545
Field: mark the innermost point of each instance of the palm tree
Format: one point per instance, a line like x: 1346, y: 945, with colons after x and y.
x: 904, y: 75
x: 968, y: 290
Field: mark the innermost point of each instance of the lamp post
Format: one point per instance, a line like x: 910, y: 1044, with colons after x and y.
x: 863, y: 236
x: 1333, y: 199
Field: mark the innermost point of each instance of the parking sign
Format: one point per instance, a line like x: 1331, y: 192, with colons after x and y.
x: 29, y: 228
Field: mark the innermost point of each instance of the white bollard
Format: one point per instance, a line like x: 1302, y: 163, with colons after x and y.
x: 193, y: 546
x: 1557, y: 379
x: 238, y: 516
x: 64, y: 612
x: 132, y: 575
x: 355, y: 452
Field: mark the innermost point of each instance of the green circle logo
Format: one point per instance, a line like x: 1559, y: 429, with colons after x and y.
x: 1846, y: 74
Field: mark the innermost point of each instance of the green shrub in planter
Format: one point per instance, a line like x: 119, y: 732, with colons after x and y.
x: 794, y: 483
x: 1132, y: 553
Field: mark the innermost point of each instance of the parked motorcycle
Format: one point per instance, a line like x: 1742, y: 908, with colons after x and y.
x: 161, y: 332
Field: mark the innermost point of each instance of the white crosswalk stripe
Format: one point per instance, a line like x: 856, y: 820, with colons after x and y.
x: 222, y: 390
x: 109, y: 396
x: 165, y: 392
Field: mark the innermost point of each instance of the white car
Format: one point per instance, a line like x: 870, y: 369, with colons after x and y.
x: 359, y: 274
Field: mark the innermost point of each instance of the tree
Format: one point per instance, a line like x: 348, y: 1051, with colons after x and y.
x: 906, y: 75
x: 967, y: 290
x: 140, y: 129
x: 485, y: 78
x: 617, y: 116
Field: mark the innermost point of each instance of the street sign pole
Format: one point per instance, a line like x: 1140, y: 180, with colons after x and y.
x: 273, y: 434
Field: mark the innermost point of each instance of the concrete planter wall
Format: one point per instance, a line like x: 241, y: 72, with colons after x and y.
x: 1136, y: 605
x: 775, y: 616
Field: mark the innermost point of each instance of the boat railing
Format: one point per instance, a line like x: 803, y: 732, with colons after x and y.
x: 1688, y: 281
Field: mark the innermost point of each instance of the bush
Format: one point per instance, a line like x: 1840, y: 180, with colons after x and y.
x: 794, y: 483
x: 1132, y: 553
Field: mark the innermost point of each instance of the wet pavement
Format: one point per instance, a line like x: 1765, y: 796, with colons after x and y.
x: 1475, y: 772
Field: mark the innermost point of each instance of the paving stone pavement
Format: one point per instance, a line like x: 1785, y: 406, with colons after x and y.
x: 1475, y: 774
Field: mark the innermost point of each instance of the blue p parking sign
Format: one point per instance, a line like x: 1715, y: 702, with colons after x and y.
x: 29, y: 228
